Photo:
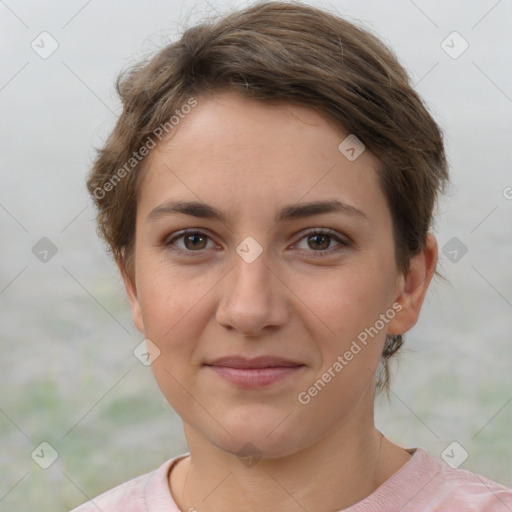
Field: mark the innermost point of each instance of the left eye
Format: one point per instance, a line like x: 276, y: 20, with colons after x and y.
x: 319, y: 241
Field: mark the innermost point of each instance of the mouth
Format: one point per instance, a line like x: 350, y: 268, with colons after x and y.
x: 257, y: 372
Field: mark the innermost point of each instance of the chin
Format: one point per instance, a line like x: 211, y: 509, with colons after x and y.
x: 265, y: 437
x: 252, y: 449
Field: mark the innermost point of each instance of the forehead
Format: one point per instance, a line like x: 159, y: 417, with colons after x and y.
x: 238, y: 153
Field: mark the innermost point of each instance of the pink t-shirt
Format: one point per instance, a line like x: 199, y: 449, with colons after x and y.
x: 422, y: 484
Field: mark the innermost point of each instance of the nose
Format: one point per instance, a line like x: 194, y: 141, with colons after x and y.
x: 253, y: 300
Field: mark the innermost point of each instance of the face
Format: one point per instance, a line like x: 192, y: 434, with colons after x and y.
x: 250, y: 295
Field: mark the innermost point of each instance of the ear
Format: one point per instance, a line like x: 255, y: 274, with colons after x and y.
x: 131, y: 292
x: 413, y: 287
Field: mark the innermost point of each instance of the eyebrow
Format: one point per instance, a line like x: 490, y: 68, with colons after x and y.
x: 296, y: 211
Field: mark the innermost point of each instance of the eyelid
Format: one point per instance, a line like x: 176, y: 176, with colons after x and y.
x: 324, y: 231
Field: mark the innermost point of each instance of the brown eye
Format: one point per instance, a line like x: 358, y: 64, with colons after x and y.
x: 195, y: 241
x: 321, y: 242
x: 189, y: 242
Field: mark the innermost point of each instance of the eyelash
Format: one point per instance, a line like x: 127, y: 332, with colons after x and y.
x: 168, y: 243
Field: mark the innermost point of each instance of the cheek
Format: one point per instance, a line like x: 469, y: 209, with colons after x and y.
x: 173, y: 309
x: 176, y: 304
x: 345, y: 302
x: 350, y: 349
x: 349, y: 355
x: 169, y: 297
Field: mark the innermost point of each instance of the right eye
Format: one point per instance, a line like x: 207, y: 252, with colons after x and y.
x: 188, y: 241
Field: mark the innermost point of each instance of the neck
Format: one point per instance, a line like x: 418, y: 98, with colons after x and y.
x: 342, y: 468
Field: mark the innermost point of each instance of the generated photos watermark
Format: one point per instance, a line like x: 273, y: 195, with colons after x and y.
x: 137, y: 156
x: 305, y: 397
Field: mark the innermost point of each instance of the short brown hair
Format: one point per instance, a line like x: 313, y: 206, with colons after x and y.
x: 273, y: 52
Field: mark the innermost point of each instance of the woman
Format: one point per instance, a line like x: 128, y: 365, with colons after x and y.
x: 267, y: 194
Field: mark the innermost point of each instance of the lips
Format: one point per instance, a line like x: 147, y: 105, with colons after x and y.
x: 256, y: 372
x: 257, y: 362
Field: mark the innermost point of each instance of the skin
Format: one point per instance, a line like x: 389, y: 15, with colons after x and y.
x: 251, y: 159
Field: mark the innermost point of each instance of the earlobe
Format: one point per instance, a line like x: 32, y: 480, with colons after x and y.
x: 131, y: 292
x: 414, y: 286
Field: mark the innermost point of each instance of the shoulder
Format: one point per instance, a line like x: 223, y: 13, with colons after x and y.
x: 135, y: 495
x: 446, y: 488
x: 129, y: 496
x: 428, y: 484
x: 475, y: 492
